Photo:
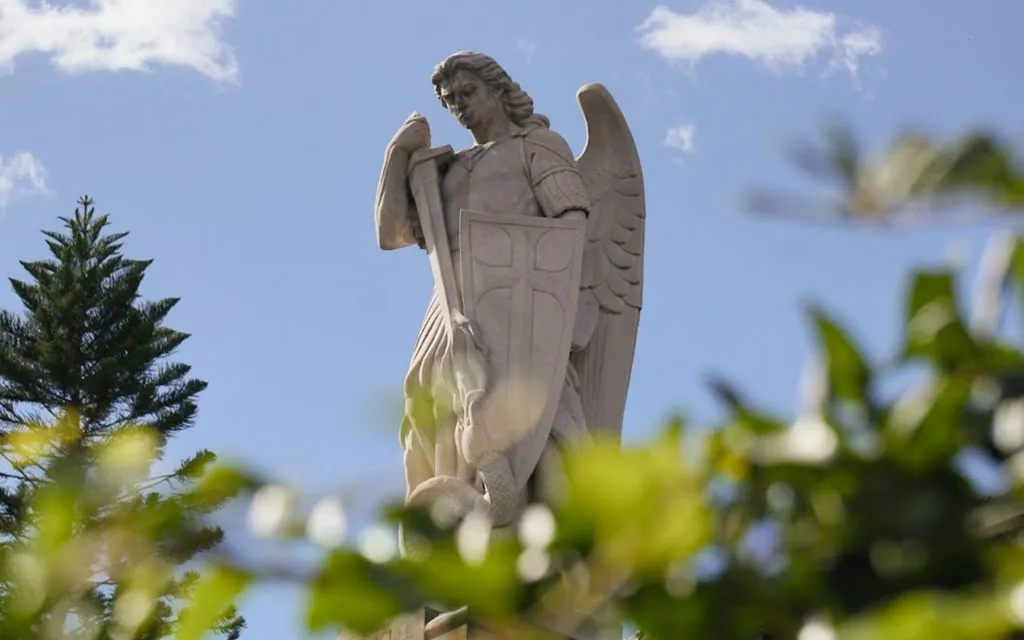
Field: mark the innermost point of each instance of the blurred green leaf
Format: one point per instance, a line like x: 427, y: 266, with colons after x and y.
x: 1017, y: 272
x: 936, y: 332
x: 211, y: 598
x: 926, y: 427
x: 914, y: 174
x: 978, y: 162
x: 971, y: 616
x: 348, y: 591
x: 935, y: 329
x: 848, y: 372
x: 646, y: 507
x: 56, y: 511
x: 218, y: 485
x: 490, y: 588
x: 743, y: 416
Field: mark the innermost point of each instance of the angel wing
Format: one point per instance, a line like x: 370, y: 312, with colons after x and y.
x: 612, y: 286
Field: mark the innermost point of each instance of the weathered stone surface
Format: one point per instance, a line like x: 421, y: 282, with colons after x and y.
x: 408, y: 627
x: 421, y: 626
x: 537, y: 259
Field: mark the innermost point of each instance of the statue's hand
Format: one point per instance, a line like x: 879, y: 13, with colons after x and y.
x: 417, y: 230
x: 414, y: 134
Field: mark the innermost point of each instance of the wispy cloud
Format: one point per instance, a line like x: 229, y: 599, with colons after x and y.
x: 528, y: 48
x: 680, y: 138
x: 755, y: 30
x: 21, y: 175
x: 853, y: 45
x: 117, y: 35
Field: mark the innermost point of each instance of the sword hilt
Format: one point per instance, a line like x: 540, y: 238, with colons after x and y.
x: 442, y: 154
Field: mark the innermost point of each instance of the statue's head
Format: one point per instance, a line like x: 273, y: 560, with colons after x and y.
x: 473, y: 87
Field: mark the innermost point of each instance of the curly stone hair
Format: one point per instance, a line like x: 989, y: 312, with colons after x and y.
x: 518, y: 103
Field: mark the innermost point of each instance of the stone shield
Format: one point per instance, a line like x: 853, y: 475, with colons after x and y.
x: 520, y: 285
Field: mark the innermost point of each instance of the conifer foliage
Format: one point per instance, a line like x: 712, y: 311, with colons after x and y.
x: 84, y: 363
x: 87, y: 341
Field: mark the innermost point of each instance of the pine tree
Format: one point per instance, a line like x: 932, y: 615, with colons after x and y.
x: 88, y: 357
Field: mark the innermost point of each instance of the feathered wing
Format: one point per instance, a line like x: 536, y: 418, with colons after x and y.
x: 612, y: 286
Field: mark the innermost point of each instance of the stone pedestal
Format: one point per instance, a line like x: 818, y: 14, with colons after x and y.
x: 418, y: 627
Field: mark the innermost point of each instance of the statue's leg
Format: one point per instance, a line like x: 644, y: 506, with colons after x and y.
x: 417, y: 432
x: 429, y: 423
x: 446, y: 458
x: 418, y: 467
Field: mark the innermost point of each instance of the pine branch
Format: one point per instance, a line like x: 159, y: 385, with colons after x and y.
x: 85, y: 339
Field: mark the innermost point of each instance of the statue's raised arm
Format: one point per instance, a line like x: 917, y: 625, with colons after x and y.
x: 395, y: 215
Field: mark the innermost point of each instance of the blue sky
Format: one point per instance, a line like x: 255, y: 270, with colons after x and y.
x: 240, y: 142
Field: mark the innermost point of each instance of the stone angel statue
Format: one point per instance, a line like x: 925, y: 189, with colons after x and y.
x: 537, y: 256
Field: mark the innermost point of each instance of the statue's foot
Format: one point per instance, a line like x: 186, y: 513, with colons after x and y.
x: 449, y: 500
x: 445, y: 622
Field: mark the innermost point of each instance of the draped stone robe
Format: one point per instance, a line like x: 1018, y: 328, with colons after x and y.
x: 528, y: 173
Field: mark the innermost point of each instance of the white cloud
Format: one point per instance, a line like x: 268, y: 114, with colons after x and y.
x: 680, y: 137
x: 866, y: 42
x: 528, y: 48
x: 21, y: 176
x: 116, y: 35
x: 755, y: 30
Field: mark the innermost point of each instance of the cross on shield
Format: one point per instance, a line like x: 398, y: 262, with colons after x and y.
x: 520, y: 284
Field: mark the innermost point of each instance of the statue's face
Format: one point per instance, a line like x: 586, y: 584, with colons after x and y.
x: 470, y: 100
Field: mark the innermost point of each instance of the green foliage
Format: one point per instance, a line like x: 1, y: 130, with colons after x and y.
x: 85, y: 340
x: 885, y: 511
x: 915, y: 174
x: 99, y: 555
x: 854, y: 516
x: 87, y: 402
